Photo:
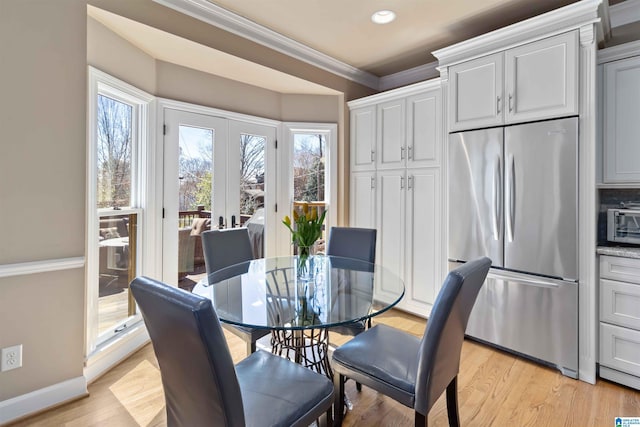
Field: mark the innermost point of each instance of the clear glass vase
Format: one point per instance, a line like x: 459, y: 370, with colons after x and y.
x: 305, y: 262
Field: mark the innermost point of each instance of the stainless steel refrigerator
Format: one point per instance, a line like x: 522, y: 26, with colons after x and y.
x: 513, y: 196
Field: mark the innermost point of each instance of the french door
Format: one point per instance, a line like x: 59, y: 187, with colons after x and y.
x: 218, y: 173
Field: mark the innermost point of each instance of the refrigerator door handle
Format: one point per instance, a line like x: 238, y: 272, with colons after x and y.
x: 512, y: 198
x: 544, y: 282
x: 497, y: 190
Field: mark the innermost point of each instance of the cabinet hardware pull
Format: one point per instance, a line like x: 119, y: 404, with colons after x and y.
x: 510, y: 106
x: 401, y: 153
x: 411, y: 152
x: 410, y: 183
x: 373, y: 182
x: 498, y: 105
x: 401, y: 182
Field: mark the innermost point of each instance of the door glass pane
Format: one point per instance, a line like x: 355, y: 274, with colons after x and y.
x: 252, y: 189
x: 114, y: 149
x: 195, y: 200
x: 117, y: 267
x: 309, y: 157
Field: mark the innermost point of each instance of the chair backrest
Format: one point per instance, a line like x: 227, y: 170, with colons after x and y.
x: 198, y: 375
x: 439, y: 354
x: 350, y: 242
x: 222, y: 248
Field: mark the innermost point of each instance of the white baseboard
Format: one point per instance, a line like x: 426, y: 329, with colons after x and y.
x: 41, y: 399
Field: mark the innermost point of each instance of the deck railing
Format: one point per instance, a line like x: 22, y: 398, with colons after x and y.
x: 185, y: 218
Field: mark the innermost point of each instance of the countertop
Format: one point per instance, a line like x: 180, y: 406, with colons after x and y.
x: 626, y: 252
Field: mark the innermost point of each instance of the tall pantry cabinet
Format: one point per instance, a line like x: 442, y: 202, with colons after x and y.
x: 395, y: 185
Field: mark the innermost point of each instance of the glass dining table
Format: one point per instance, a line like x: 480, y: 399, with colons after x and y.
x: 298, y: 303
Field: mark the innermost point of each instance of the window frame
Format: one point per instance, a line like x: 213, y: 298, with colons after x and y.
x: 285, y: 199
x: 142, y: 160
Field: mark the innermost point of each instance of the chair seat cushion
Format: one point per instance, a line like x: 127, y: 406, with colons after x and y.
x: 277, y: 392
x: 350, y: 329
x: 246, y: 333
x: 382, y: 358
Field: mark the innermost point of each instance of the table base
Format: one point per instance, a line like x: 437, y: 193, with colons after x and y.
x: 309, y: 348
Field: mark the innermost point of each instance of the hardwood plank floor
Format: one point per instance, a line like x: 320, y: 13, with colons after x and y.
x: 495, y: 389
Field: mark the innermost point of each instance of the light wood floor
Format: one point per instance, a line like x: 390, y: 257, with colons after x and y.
x: 495, y: 389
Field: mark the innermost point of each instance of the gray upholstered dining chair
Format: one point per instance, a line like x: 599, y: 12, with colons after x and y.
x: 413, y: 371
x: 201, y: 384
x: 224, y: 248
x: 354, y: 243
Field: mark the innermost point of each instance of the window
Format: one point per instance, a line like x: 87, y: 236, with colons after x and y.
x: 118, y: 139
x: 313, y: 171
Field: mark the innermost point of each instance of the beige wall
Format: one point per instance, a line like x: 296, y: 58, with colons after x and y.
x: 310, y: 108
x: 42, y: 187
x: 188, y: 85
x: 45, y: 47
x: 112, y: 54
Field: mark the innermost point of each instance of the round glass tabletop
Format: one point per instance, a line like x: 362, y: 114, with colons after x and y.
x: 286, y: 294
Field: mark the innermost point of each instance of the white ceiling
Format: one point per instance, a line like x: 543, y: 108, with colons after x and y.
x: 170, y: 48
x: 343, y: 29
x: 339, y: 29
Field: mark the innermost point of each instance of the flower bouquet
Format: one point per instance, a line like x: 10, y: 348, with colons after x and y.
x: 306, y: 229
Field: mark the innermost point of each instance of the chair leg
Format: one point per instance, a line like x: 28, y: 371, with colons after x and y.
x: 338, y: 403
x: 452, y: 403
x: 251, y: 347
x: 421, y: 420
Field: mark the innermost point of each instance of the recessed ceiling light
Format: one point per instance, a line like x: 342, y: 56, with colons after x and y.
x: 383, y: 16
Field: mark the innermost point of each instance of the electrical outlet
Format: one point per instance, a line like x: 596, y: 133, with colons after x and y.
x: 11, y: 358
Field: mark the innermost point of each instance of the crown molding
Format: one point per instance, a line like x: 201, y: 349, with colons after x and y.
x: 412, y: 75
x: 624, y: 13
x: 395, y: 93
x: 557, y: 21
x: 236, y: 24
x: 622, y: 51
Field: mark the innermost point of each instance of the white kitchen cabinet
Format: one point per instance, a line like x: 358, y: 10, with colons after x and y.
x: 542, y: 79
x: 363, y: 138
x: 424, y: 129
x: 534, y: 81
x: 399, y: 192
x: 390, y: 216
x: 422, y: 243
x: 408, y: 222
x: 620, y: 320
x: 621, y: 121
x: 391, y: 143
x: 362, y: 206
x: 475, y: 93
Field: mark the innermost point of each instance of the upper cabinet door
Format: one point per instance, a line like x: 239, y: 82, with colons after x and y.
x: 542, y: 79
x: 363, y: 138
x: 424, y: 129
x: 392, y: 150
x: 475, y: 93
x: 621, y: 124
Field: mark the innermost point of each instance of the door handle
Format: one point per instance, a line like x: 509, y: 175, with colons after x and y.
x: 497, y: 191
x: 512, y: 200
x: 233, y: 221
x: 220, y: 223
